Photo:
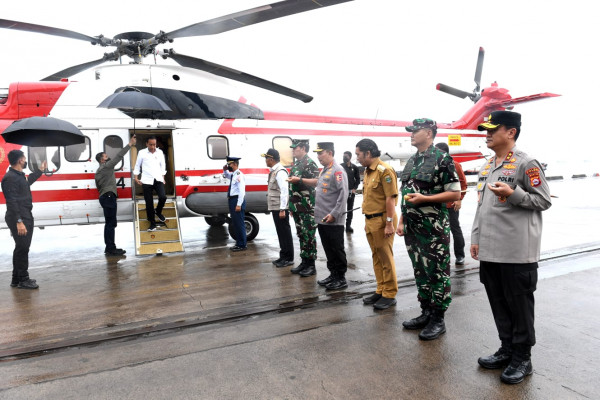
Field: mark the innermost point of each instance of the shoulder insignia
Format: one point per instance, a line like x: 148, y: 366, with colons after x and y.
x: 388, y: 179
x: 339, y: 177
x: 534, y: 176
x: 509, y: 156
x: 381, y: 168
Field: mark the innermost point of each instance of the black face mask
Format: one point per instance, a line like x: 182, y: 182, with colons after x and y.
x: 108, y: 159
x: 24, y: 164
x: 346, y: 159
x: 230, y: 169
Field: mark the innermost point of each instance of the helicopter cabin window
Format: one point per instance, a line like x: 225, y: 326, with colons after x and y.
x: 112, y: 145
x: 37, y: 155
x: 3, y: 95
x: 282, y: 145
x: 80, y: 152
x: 217, y: 147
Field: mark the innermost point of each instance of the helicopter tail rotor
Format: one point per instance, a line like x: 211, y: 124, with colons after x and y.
x: 475, y: 95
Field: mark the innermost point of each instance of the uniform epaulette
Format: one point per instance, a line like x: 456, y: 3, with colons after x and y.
x: 381, y: 168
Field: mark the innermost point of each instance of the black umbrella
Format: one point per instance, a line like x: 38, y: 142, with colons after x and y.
x: 134, y: 101
x: 43, y: 132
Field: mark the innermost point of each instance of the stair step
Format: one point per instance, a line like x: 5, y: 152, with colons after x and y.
x: 159, y: 236
x: 167, y: 212
x: 156, y: 248
x: 171, y: 223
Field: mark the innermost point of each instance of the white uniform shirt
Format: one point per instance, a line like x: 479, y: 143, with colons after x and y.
x: 238, y: 185
x: 153, y: 166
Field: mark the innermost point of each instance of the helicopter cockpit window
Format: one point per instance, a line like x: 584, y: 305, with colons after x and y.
x: 282, y: 145
x: 3, y: 95
x: 112, y: 145
x: 80, y: 152
x: 37, y: 155
x: 217, y: 147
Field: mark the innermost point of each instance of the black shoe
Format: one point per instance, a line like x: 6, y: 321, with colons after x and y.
x: 383, y: 303
x: 419, y: 322
x: 349, y: 229
x: 499, y: 359
x: 274, y: 262
x: 435, y: 327
x: 460, y: 261
x: 339, y: 283
x: 324, y: 282
x: 115, y: 252
x: 372, y: 299
x: 16, y: 283
x: 300, y: 267
x: 28, y: 284
x: 161, y: 217
x: 516, y: 371
x: 152, y: 228
x: 238, y: 248
x: 308, y: 271
x: 284, y: 263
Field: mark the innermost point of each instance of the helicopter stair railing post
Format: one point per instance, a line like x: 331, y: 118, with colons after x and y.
x: 165, y: 239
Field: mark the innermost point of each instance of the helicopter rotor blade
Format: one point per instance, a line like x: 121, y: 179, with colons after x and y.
x: 454, y: 92
x: 230, y: 73
x: 479, y: 68
x: 250, y: 17
x: 48, y: 30
x: 68, y: 72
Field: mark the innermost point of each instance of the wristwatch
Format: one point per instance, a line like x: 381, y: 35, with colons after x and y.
x: 19, y: 220
x: 389, y: 219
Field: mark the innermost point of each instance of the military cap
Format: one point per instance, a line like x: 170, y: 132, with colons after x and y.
x: 233, y: 159
x: 297, y: 142
x: 421, y: 123
x: 272, y: 153
x: 324, y: 146
x: 497, y: 118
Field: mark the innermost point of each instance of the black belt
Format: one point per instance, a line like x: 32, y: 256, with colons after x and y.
x: 369, y: 216
x: 232, y: 197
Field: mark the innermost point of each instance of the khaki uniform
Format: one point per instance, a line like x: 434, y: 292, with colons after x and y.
x: 380, y: 182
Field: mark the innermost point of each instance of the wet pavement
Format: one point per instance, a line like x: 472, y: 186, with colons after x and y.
x: 87, y: 297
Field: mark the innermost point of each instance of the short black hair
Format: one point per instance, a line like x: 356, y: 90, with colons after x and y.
x: 150, y: 138
x: 14, y: 156
x: 518, y: 128
x: 99, y: 156
x: 349, y: 153
x: 365, y: 145
x: 443, y: 146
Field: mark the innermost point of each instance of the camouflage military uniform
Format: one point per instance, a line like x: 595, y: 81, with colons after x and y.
x: 427, y: 227
x: 302, y: 204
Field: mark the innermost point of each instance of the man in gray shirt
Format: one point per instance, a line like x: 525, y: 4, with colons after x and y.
x: 512, y: 192
x: 106, y: 183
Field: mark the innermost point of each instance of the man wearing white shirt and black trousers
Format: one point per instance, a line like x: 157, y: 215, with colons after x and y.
x: 151, y: 161
x: 236, y: 196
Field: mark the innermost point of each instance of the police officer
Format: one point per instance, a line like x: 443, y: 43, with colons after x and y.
x: 277, y: 203
x: 428, y: 180
x: 302, y: 204
x: 330, y: 213
x: 236, y: 196
x: 106, y: 183
x: 18, y: 217
x: 353, y: 181
x: 380, y: 197
x: 512, y: 193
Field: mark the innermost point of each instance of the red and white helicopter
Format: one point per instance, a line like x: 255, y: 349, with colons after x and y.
x: 209, y: 120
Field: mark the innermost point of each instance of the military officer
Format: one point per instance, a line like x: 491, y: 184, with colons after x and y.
x: 428, y: 181
x: 302, y: 204
x: 380, y: 197
x: 236, y: 196
x: 512, y: 193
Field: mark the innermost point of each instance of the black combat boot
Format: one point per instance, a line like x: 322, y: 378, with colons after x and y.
x: 309, y: 270
x: 520, y: 365
x: 419, y: 322
x: 296, y: 270
x: 499, y: 359
x: 329, y: 279
x: 435, y: 327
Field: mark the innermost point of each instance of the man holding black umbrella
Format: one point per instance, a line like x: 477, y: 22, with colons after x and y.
x: 19, y: 219
x: 106, y: 183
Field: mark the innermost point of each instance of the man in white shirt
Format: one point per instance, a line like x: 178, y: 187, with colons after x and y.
x: 151, y: 161
x: 236, y: 197
x: 277, y: 202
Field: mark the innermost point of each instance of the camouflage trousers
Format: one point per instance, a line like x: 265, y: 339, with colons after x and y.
x: 430, y: 256
x: 306, y: 230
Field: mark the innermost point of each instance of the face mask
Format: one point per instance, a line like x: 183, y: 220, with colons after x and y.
x: 108, y: 159
x: 230, y: 169
x: 346, y: 159
x: 24, y: 165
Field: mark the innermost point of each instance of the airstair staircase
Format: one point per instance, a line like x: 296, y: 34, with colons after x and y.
x: 167, y: 236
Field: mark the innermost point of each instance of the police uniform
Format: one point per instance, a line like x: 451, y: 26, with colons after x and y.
x: 426, y: 225
x: 236, y: 195
x: 331, y: 197
x: 302, y: 204
x: 380, y: 182
x: 508, y: 232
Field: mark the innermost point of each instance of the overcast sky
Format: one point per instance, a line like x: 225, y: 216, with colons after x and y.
x: 366, y: 58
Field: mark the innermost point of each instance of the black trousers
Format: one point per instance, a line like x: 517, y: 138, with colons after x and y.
x: 349, y: 214
x: 510, y: 288
x: 159, y: 187
x: 20, y: 271
x: 108, y: 201
x: 457, y: 235
x: 332, y: 239
x: 284, y: 234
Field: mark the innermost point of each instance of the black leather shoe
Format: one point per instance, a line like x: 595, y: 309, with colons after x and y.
x: 337, y: 284
x: 300, y: 267
x: 460, y: 261
x: 435, y: 327
x: 284, y: 263
x: 161, y: 217
x: 499, y: 359
x: 324, y: 282
x: 28, y: 284
x: 372, y: 299
x: 384, y: 303
x: 115, y: 252
x: 276, y: 261
x: 516, y: 371
x: 419, y: 322
x: 238, y: 248
x: 16, y: 283
x: 308, y: 271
